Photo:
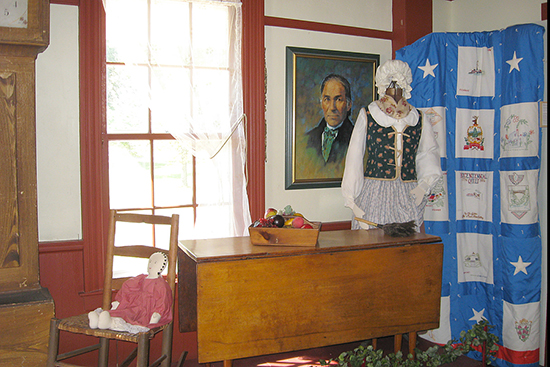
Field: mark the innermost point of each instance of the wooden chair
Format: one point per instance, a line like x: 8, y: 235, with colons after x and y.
x: 80, y: 324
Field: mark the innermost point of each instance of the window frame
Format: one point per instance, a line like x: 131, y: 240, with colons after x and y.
x: 94, y: 145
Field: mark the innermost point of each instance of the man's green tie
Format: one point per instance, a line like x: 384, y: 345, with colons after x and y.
x: 328, y: 138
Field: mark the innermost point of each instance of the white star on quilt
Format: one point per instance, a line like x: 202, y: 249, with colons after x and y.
x: 520, y: 266
x: 428, y: 69
x: 478, y: 316
x: 514, y: 63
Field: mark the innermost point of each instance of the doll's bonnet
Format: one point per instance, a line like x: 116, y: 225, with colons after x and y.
x: 394, y: 70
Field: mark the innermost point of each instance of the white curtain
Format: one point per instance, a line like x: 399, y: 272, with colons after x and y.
x: 193, y: 49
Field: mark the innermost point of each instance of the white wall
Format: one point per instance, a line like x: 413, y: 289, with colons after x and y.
x: 486, y: 15
x: 472, y: 16
x: 316, y: 204
x: 58, y: 130
x: 374, y: 14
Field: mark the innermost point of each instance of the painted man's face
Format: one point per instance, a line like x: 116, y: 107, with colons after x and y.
x: 334, y: 103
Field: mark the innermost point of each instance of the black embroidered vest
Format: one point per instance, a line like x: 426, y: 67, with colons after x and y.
x: 382, y: 153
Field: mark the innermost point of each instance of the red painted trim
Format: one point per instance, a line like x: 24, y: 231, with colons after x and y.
x: 399, y: 25
x: 253, y: 56
x: 60, y: 246
x: 412, y: 20
x: 65, y: 2
x: 325, y: 27
x: 92, y: 123
x: 544, y: 11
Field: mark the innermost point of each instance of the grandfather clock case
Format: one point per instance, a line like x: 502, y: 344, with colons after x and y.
x: 25, y: 307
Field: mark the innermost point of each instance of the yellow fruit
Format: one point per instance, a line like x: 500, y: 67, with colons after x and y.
x: 270, y: 213
x: 298, y: 215
x: 288, y: 222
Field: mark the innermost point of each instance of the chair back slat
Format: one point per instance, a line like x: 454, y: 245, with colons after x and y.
x: 137, y: 251
x: 142, y: 218
x: 116, y: 284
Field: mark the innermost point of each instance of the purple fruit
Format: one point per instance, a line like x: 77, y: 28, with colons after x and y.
x: 278, y: 220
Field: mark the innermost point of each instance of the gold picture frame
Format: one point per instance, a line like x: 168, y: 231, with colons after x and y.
x: 305, y: 71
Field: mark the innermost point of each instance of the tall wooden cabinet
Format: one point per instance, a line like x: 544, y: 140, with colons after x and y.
x: 25, y: 307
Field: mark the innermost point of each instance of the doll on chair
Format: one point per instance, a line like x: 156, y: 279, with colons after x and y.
x: 143, y: 302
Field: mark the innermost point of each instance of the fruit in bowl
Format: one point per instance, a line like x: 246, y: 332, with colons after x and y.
x: 298, y: 222
x: 278, y: 220
x: 285, y: 228
x: 286, y: 218
x: 270, y: 213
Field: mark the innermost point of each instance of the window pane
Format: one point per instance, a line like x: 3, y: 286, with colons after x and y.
x: 186, y: 223
x: 127, y: 99
x: 212, y: 91
x: 124, y: 266
x: 170, y: 34
x: 132, y: 234
x: 209, y: 188
x: 171, y: 98
x: 218, y: 214
x: 129, y: 174
x: 173, y: 174
x: 210, y: 35
x: 126, y: 28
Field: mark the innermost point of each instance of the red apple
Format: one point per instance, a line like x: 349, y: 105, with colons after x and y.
x: 298, y: 222
x: 307, y: 226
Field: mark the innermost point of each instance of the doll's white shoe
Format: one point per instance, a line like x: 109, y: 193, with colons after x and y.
x: 104, y: 321
x: 93, y: 317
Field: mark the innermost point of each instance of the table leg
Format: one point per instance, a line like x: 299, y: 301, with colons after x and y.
x: 228, y: 363
x: 374, y: 343
x: 397, y: 341
x: 412, y: 343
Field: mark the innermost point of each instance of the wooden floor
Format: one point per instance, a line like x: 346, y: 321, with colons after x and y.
x: 311, y: 357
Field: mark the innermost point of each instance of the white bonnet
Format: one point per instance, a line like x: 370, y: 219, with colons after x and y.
x: 394, y: 70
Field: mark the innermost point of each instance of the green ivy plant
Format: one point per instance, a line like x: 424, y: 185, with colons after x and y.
x: 477, y: 337
x: 480, y: 337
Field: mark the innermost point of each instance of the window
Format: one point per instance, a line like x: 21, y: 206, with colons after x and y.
x: 174, y: 127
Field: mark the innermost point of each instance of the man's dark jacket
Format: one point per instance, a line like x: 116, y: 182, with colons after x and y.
x: 340, y: 144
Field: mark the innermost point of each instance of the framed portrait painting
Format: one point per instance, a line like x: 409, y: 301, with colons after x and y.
x: 325, y: 90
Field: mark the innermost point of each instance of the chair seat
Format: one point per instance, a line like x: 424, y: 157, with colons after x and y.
x: 80, y: 324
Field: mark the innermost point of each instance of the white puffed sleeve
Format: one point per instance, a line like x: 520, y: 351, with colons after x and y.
x: 428, y: 163
x: 352, y: 181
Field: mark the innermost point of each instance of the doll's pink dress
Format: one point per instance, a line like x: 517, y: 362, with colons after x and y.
x: 140, y: 297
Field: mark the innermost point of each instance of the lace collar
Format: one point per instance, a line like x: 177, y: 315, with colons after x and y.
x: 385, y: 120
x: 397, y: 110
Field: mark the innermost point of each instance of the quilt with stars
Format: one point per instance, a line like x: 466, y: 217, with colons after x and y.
x: 481, y: 93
